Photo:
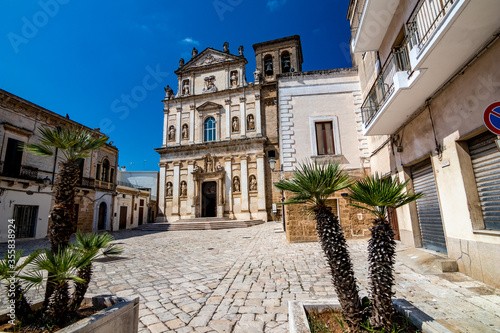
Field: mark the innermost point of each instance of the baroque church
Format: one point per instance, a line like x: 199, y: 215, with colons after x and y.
x: 220, y: 131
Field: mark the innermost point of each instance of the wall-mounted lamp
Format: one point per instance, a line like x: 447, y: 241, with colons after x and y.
x: 272, y: 164
x: 46, y: 182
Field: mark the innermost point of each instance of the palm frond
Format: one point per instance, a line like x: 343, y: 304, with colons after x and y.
x: 313, y: 183
x: 378, y: 194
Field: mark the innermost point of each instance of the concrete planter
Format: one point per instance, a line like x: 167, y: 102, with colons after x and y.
x: 121, y: 315
x: 298, y: 318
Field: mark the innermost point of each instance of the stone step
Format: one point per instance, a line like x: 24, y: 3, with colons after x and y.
x: 204, y: 225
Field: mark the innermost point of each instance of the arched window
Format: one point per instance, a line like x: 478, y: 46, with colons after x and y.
x: 268, y: 65
x: 209, y: 129
x: 285, y: 62
x: 105, y: 170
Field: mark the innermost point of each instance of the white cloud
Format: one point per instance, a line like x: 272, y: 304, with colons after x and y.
x: 275, y: 4
x: 189, y: 40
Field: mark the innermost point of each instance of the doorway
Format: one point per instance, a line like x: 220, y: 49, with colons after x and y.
x: 209, y: 199
x: 123, y: 217
x: 101, y: 222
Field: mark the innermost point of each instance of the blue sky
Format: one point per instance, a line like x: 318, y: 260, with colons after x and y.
x: 105, y: 63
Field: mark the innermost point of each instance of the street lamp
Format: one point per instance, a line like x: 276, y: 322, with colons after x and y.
x: 272, y: 166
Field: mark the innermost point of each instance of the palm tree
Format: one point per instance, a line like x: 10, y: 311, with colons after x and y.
x: 9, y: 271
x: 73, y: 143
x: 62, y: 268
x: 87, y: 244
x: 313, y: 184
x: 377, y: 195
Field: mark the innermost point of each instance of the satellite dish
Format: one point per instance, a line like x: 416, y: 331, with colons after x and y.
x: 292, y: 70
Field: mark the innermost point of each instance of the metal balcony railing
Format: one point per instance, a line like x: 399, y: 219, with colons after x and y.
x: 425, y: 19
x: 356, y: 18
x: 383, y: 86
x: 18, y: 171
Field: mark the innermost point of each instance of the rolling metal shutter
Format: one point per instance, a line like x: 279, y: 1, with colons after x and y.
x: 485, y: 159
x: 429, y: 213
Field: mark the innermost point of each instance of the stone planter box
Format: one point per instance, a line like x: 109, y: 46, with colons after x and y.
x: 121, y: 315
x: 298, y: 319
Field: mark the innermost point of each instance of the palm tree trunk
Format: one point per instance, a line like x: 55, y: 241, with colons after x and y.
x: 85, y: 274
x: 22, y: 306
x: 335, y: 247
x: 57, y: 308
x: 381, y: 258
x: 63, y: 212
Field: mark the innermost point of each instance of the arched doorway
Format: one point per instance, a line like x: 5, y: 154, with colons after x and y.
x: 101, y: 222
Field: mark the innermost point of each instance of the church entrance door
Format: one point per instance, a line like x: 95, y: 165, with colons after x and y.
x: 209, y: 199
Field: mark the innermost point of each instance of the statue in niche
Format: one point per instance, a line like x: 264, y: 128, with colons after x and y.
x: 209, y: 84
x: 234, y: 78
x: 169, y: 93
x: 185, y: 88
x: 236, y: 184
x: 226, y: 47
x: 194, y: 52
x: 236, y: 124
x: 253, y: 183
x: 181, y: 62
x: 240, y: 50
x: 169, y: 189
x: 171, y: 133
x: 210, y: 164
x: 219, y: 167
x: 183, y: 189
x: 185, y: 131
x: 257, y: 76
x: 196, y: 168
x: 250, y: 122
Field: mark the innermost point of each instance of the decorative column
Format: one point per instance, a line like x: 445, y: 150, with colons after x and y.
x: 243, y: 120
x: 165, y: 126
x: 229, y: 185
x: 161, y: 195
x: 191, y: 123
x: 218, y: 126
x: 178, y: 129
x: 258, y: 121
x: 175, y: 197
x: 227, y: 78
x: 228, y: 119
x: 261, y: 184
x: 244, y: 185
x: 191, y: 90
x: 190, y: 189
x: 179, y: 87
x: 200, y: 128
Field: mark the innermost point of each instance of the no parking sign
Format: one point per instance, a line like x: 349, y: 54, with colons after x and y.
x: 491, y: 118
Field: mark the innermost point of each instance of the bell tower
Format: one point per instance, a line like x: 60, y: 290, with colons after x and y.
x: 277, y: 56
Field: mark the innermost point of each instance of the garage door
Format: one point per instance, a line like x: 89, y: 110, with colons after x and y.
x: 486, y: 164
x: 429, y: 213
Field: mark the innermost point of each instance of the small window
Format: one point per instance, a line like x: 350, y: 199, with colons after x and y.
x: 324, y: 138
x: 271, y: 153
x: 209, y: 129
x: 105, y: 170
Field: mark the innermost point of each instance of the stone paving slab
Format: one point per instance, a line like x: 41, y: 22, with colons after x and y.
x: 240, y: 280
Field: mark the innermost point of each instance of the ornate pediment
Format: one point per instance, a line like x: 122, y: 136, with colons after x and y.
x: 210, y: 57
x: 209, y: 106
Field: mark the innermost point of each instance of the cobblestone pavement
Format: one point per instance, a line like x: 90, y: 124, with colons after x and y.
x: 241, y: 280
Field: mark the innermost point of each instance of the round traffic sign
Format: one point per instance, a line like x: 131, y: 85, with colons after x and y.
x: 491, y: 118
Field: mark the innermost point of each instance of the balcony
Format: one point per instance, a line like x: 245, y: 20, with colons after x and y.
x: 86, y: 182
x: 442, y: 36
x: 19, y: 171
x: 374, y: 19
x: 101, y: 184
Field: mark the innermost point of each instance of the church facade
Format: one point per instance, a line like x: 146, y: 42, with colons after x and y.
x: 220, y: 132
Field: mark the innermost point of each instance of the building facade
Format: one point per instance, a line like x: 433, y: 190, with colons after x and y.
x: 428, y: 70
x: 219, y: 133
x: 320, y: 121
x: 26, y: 181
